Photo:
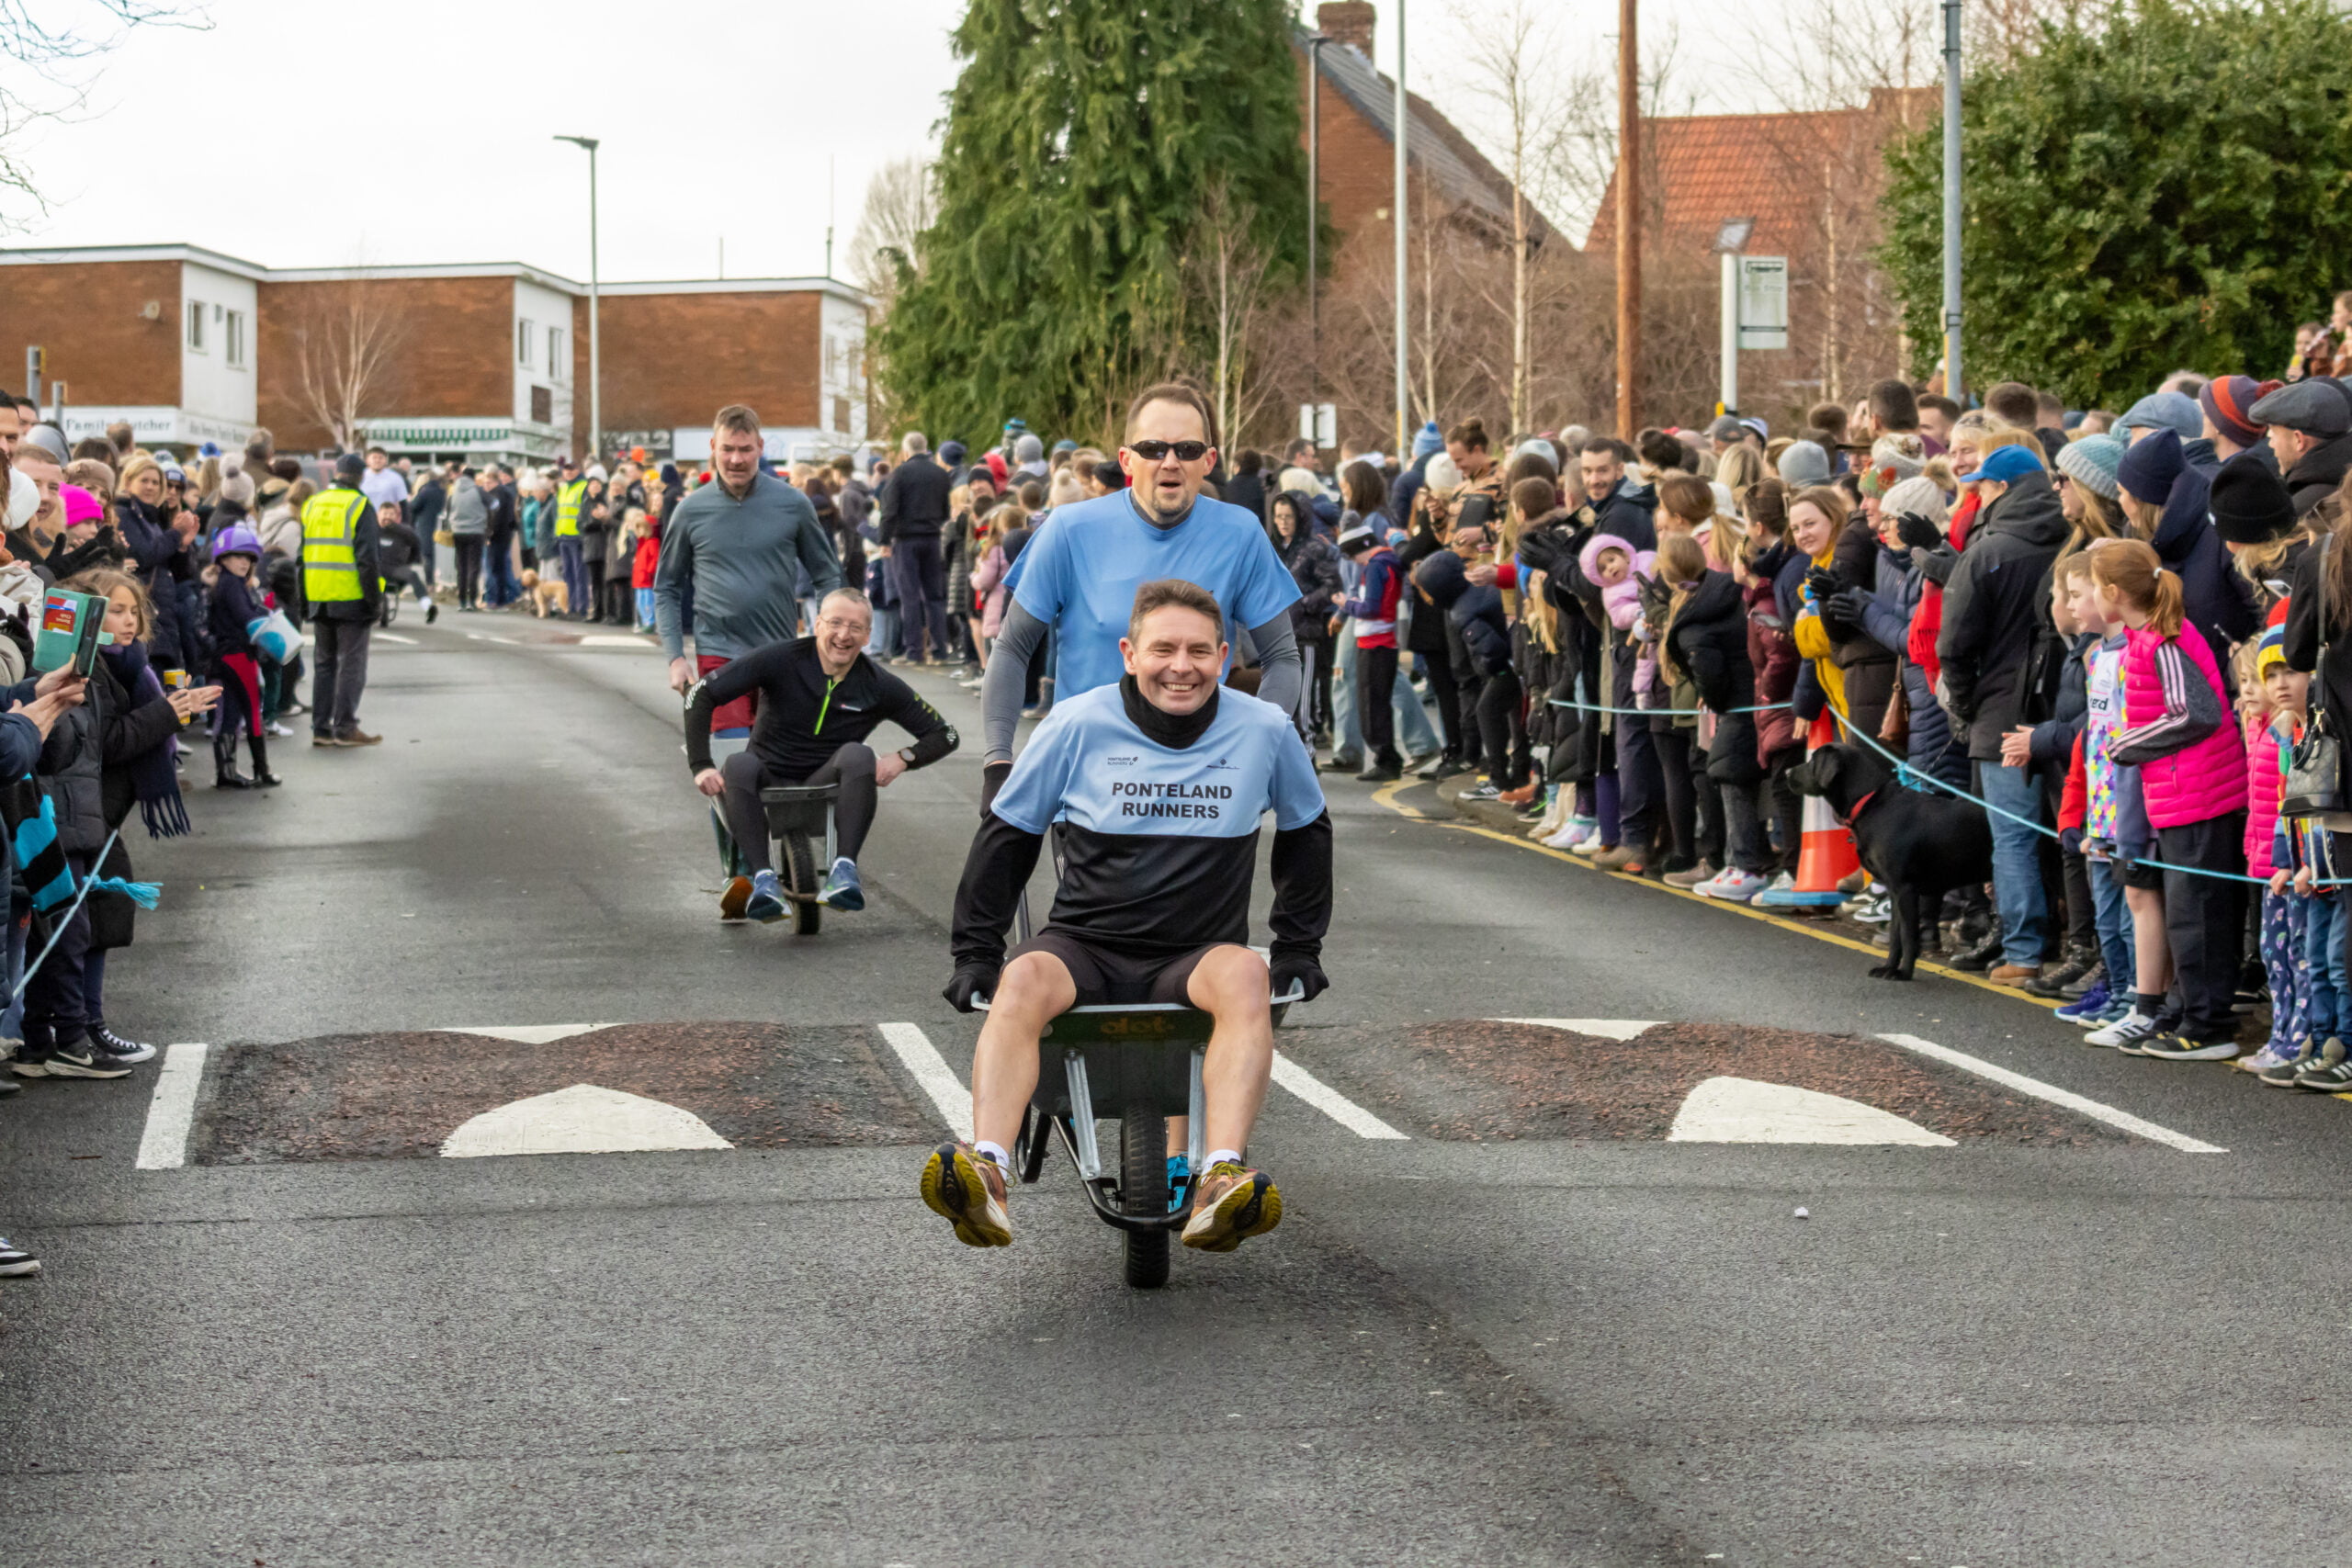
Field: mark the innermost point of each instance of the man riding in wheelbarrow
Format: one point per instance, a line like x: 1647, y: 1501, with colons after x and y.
x: 819, y: 699
x: 1158, y: 784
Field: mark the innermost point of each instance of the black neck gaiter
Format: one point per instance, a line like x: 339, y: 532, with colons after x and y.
x: 1174, y: 731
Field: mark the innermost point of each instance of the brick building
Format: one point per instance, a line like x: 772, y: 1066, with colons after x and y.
x: 1357, y: 107
x: 481, y: 361
x: 1808, y: 187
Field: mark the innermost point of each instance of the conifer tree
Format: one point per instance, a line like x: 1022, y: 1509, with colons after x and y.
x: 1084, y: 143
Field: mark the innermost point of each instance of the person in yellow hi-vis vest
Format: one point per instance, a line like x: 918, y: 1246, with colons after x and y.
x: 571, y: 496
x: 342, y: 586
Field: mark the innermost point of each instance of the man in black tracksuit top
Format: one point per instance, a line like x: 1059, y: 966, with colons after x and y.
x: 1154, y: 788
x: 820, y: 698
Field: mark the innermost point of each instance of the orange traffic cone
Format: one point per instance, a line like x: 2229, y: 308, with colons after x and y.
x: 1827, y: 857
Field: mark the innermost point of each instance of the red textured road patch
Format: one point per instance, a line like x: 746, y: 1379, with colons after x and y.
x: 1475, y: 1079
x: 393, y: 1095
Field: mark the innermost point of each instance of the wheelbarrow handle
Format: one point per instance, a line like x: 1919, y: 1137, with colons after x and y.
x: 1297, y: 993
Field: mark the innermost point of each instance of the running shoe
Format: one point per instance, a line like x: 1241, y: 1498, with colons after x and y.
x: 733, y: 896
x: 1629, y: 858
x: 2180, y: 1048
x: 1871, y: 909
x: 1784, y: 883
x: 1732, y: 886
x: 1483, y: 790
x: 75, y: 1061
x: 1235, y: 1203
x: 107, y: 1043
x: 2284, y: 1074
x: 1594, y: 845
x: 2126, y: 1032
x: 2328, y: 1073
x: 16, y: 1263
x: 1691, y: 880
x: 2262, y: 1061
x: 2086, y: 1012
x: 1577, y: 831
x: 842, y: 890
x: 962, y: 1185
x: 766, y: 904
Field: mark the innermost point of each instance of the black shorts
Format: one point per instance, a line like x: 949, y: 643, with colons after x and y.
x: 1107, y: 975
x: 2146, y: 879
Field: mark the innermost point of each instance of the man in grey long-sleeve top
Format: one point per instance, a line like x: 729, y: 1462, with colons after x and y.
x: 736, y: 542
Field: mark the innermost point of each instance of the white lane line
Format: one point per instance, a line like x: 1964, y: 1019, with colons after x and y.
x: 1330, y: 1102
x: 931, y: 1071
x: 611, y: 641
x: 387, y: 636
x: 163, y: 1145
x: 1606, y: 1028
x: 2056, y: 1096
x: 485, y: 636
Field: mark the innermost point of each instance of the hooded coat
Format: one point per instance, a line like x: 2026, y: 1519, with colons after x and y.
x: 2220, y: 602
x: 1709, y: 641
x: 2318, y: 472
x: 1995, y: 612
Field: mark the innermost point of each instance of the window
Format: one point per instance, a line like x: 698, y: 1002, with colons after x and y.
x: 832, y: 357
x: 555, y: 352
x: 840, y: 416
x: 232, y: 338
x: 522, y: 342
x: 542, y: 405
x: 196, y: 326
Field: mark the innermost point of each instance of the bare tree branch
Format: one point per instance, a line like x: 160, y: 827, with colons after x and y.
x: 900, y: 202
x: 347, y: 341
x: 54, y: 44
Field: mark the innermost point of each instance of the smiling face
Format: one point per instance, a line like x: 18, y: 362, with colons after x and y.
x: 1601, y: 470
x: 844, y: 626
x: 148, y: 485
x: 1176, y: 655
x: 1810, y: 527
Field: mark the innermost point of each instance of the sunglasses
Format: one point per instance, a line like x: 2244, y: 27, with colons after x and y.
x: 1154, y: 451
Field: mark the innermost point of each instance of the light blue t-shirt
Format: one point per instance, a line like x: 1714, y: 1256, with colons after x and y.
x: 1090, y: 766
x: 1080, y: 572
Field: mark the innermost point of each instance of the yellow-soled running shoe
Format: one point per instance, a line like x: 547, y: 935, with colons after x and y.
x: 1234, y: 1202
x: 962, y: 1185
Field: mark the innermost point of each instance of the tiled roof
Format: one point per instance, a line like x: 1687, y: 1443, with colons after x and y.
x: 1705, y: 169
x: 1433, y: 146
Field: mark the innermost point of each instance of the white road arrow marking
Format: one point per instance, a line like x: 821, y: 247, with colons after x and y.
x: 1743, y: 1110
x: 582, y: 1119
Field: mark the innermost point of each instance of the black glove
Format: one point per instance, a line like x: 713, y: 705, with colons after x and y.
x: 971, y: 980
x: 1823, y: 583
x: 992, y: 777
x: 1915, y: 532
x: 1848, y: 604
x: 1656, y: 598
x: 1303, y: 970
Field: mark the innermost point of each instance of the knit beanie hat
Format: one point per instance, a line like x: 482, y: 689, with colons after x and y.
x: 1426, y: 440
x: 2249, y: 502
x: 2228, y: 401
x: 2091, y: 463
x: 952, y: 454
x: 1894, y: 458
x: 1802, y: 463
x: 2006, y: 465
x: 50, y: 439
x: 1442, y: 475
x: 2272, y: 648
x: 235, y: 483
x: 2165, y: 411
x: 1301, y: 480
x: 2150, y: 464
x: 1029, y: 449
x: 81, y: 506
x: 1917, y: 497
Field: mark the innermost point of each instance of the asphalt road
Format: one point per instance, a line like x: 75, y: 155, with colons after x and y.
x: 1533, y: 1329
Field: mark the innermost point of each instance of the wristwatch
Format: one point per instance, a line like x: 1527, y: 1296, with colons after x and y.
x: 907, y: 755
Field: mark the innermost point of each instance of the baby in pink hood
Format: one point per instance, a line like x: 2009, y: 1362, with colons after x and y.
x: 1614, y: 564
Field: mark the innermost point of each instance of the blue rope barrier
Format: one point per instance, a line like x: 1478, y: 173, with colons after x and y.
x: 58, y: 927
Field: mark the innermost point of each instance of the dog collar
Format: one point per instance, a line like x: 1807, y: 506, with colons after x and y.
x: 1854, y: 815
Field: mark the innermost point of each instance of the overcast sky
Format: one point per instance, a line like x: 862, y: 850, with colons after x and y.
x: 304, y: 133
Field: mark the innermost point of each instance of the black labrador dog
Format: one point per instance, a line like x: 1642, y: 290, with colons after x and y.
x: 1921, y: 845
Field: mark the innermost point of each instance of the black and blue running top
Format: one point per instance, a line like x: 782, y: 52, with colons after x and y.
x: 1157, y: 818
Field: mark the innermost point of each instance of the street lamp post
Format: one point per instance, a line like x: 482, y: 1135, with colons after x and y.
x: 1404, y: 114
x: 596, y: 361
x: 1954, y: 381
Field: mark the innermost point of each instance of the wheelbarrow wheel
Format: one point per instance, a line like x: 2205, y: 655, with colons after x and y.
x: 1029, y: 1148
x: 1143, y: 1190
x: 801, y: 863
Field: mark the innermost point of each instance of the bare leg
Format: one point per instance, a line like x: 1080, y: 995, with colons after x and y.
x: 2153, y: 950
x: 1034, y: 990
x: 1230, y: 985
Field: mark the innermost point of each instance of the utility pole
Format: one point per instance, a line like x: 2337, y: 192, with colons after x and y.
x: 595, y: 346
x: 1629, y: 221
x: 1314, y: 214
x: 1952, y: 382
x: 1403, y: 393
